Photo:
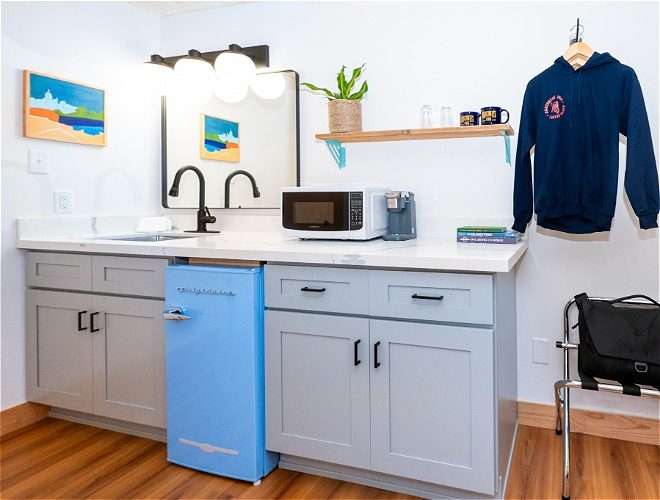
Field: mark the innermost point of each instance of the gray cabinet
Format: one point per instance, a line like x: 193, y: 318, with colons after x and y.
x: 59, y: 361
x: 317, y: 398
x: 91, y: 352
x: 432, y: 403
x: 431, y: 383
x: 129, y: 360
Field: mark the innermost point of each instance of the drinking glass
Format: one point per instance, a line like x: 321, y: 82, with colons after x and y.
x: 446, y: 119
x: 426, y: 116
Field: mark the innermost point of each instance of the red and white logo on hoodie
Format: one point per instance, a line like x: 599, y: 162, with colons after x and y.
x: 554, y: 107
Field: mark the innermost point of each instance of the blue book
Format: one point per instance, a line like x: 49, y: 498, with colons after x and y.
x: 487, y: 239
x: 507, y: 234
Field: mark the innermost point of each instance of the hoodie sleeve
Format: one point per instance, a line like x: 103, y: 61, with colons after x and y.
x: 523, y: 195
x: 641, y: 178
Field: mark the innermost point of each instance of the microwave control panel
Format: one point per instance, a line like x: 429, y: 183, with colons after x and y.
x: 356, y: 212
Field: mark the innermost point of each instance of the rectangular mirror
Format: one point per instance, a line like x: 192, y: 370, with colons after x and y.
x: 256, y: 136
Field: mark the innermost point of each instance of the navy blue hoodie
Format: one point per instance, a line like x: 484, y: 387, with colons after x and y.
x: 573, y: 118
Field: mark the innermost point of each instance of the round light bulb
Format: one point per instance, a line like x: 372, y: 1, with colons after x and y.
x: 197, y: 72
x: 236, y: 66
x: 155, y: 78
x: 230, y: 89
x: 268, y: 85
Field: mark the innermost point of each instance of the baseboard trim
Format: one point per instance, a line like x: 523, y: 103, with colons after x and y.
x: 111, y: 424
x: 376, y: 479
x: 19, y: 416
x: 595, y: 423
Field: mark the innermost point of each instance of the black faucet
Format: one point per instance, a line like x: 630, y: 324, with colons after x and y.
x: 203, y: 215
x: 255, y: 189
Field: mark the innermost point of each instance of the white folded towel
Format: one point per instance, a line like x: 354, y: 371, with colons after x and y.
x: 154, y: 225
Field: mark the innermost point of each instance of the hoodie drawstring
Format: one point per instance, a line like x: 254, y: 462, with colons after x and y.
x: 570, y: 123
x: 579, y: 93
x: 579, y: 90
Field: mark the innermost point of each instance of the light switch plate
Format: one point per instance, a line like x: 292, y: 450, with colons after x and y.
x: 37, y: 162
x: 540, y: 351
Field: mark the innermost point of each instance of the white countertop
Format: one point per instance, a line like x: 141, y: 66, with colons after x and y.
x: 422, y: 253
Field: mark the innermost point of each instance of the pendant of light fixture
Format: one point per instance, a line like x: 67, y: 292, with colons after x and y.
x: 226, y: 73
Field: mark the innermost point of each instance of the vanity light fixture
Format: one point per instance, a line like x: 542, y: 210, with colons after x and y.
x: 234, y: 71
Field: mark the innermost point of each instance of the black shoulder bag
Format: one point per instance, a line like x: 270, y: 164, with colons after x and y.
x: 619, y: 341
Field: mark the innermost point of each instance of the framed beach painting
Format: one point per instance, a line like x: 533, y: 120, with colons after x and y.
x: 219, y: 139
x: 60, y: 110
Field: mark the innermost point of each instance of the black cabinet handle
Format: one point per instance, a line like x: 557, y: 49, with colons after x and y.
x: 80, y: 315
x: 356, y: 361
x: 91, y: 322
x: 308, y: 289
x: 376, y: 363
x: 426, y: 297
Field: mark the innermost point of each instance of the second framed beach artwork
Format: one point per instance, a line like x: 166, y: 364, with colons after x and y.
x: 219, y: 139
x: 61, y: 110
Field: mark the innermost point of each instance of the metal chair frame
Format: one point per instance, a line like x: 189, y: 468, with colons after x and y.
x: 562, y: 393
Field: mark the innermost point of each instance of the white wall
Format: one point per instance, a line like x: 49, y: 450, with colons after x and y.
x: 99, y: 43
x: 466, y: 55
x: 463, y: 54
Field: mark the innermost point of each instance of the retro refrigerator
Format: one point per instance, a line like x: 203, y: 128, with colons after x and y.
x: 215, y: 371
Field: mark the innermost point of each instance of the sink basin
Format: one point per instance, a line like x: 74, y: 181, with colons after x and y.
x: 149, y: 237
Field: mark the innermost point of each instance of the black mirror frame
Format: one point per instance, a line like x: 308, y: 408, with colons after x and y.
x: 163, y: 150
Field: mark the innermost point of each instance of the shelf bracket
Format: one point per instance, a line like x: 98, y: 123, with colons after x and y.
x: 337, y: 151
x: 507, y: 147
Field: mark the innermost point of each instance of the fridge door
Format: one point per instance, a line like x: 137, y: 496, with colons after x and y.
x: 215, y: 408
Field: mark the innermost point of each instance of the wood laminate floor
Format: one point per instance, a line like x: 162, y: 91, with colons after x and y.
x: 58, y: 459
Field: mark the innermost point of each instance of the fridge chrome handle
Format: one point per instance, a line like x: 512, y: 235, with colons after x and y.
x: 174, y: 313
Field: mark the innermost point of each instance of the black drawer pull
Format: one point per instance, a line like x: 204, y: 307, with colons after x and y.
x: 356, y: 361
x: 91, y: 322
x: 80, y: 315
x: 376, y: 363
x: 426, y: 297
x: 308, y: 289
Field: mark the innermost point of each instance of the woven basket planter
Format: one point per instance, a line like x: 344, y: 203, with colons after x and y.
x: 344, y: 115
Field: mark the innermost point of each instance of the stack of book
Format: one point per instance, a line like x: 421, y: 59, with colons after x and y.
x: 487, y: 234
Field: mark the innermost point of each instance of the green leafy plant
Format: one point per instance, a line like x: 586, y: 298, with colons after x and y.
x: 345, y: 86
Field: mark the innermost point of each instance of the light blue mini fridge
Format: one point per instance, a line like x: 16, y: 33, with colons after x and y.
x: 215, y: 371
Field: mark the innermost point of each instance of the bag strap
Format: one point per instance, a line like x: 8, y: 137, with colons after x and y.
x: 636, y: 296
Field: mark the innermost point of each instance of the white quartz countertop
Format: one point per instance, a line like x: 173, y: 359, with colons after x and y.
x: 422, y: 253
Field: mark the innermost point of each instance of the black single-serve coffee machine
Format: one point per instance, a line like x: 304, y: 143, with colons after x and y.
x: 401, y: 216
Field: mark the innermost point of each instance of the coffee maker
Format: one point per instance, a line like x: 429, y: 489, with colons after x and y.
x: 401, y: 216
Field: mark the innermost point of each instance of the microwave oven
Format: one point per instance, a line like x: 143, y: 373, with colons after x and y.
x: 336, y: 212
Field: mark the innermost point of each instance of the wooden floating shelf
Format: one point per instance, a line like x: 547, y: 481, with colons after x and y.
x: 418, y: 134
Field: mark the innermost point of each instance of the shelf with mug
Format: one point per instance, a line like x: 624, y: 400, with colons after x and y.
x: 335, y: 140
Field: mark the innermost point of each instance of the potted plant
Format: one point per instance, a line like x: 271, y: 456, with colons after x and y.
x: 344, y: 107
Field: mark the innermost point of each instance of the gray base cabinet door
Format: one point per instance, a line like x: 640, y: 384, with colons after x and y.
x: 432, y: 404
x: 59, y: 361
x: 129, y: 360
x: 317, y: 387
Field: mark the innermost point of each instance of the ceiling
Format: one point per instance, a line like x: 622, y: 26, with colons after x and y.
x: 170, y: 8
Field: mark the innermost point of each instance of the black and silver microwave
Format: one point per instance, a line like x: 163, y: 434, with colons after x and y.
x: 337, y: 212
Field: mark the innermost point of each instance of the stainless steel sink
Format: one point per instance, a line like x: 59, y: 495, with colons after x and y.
x: 150, y: 237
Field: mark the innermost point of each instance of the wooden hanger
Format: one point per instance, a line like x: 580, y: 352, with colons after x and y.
x: 578, y: 53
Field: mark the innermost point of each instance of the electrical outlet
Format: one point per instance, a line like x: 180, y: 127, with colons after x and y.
x: 63, y: 202
x: 540, y: 351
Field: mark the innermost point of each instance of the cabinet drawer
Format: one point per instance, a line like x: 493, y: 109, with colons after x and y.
x: 129, y: 275
x: 450, y: 297
x: 317, y: 289
x: 68, y: 271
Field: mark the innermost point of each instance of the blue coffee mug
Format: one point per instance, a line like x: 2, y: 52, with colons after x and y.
x: 469, y: 118
x: 492, y: 115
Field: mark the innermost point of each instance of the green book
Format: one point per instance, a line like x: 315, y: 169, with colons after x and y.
x: 482, y: 229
